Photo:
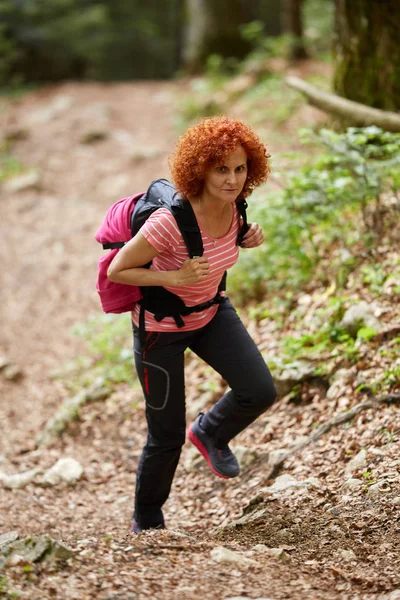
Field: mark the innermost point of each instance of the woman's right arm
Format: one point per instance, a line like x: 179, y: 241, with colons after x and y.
x: 127, y: 267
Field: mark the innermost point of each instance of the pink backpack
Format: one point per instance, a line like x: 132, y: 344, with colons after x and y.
x: 114, y: 232
x: 122, y: 221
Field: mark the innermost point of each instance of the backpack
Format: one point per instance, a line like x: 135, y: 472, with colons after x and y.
x: 121, y: 222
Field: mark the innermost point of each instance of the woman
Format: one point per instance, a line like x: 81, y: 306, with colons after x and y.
x: 215, y: 163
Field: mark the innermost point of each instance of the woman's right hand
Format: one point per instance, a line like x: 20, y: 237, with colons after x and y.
x: 192, y: 271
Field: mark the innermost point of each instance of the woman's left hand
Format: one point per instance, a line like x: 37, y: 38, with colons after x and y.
x: 254, y: 237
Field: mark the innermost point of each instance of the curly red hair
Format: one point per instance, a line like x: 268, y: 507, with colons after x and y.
x: 207, y: 144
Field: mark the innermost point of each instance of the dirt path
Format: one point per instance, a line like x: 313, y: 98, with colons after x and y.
x: 48, y: 233
x: 47, y: 281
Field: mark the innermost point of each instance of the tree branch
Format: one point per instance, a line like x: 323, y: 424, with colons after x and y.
x: 357, y: 114
x: 337, y: 420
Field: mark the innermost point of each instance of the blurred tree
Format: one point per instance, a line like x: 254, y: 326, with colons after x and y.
x: 293, y: 25
x: 269, y: 12
x: 213, y: 27
x: 367, y: 52
x: 48, y: 40
x: 146, y: 38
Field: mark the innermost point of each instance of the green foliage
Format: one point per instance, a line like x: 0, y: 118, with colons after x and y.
x: 326, y: 336
x: 9, y: 164
x: 109, y: 346
x: 263, y: 47
x: 366, y: 333
x: 202, y: 100
x: 337, y: 201
x: 5, y: 592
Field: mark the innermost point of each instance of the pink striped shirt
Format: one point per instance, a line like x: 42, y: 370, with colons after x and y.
x: 162, y: 232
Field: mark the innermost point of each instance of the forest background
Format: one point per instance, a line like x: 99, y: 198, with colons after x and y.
x: 94, y: 94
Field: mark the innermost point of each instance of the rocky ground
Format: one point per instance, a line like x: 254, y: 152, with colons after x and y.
x: 323, y: 523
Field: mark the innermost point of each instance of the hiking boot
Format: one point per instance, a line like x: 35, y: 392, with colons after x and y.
x: 221, y: 461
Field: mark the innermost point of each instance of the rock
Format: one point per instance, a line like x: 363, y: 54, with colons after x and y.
x: 395, y: 595
x: 8, y: 537
x: 19, y: 480
x: 358, y: 463
x: 288, y: 482
x: 248, y: 518
x: 358, y: 316
x: 19, y: 183
x: 290, y: 374
x: 353, y: 484
x: 347, y: 555
x: 193, y: 460
x: 12, y: 372
x: 337, y: 383
x: 396, y: 501
x: 34, y: 549
x: 59, y: 105
x: 4, y: 362
x: 221, y: 554
x: 276, y: 457
x: 374, y: 489
x: 278, y: 553
x: 65, y: 469
x: 245, y: 456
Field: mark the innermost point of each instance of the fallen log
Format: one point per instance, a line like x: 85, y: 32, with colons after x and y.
x: 357, y: 114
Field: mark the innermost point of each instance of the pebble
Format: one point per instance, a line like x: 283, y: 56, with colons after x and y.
x: 347, y: 555
x: 358, y: 462
x: 353, y: 483
x: 65, y: 469
x: 221, y: 554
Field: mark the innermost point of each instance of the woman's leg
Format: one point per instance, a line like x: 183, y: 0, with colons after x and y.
x: 227, y: 347
x: 160, y: 367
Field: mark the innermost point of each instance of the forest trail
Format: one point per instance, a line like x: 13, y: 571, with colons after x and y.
x: 92, y: 144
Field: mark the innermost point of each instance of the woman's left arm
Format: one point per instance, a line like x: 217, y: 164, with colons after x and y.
x: 254, y: 237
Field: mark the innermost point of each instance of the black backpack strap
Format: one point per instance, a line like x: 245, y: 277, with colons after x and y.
x: 112, y: 245
x: 186, y: 220
x: 242, y: 206
x: 222, y: 283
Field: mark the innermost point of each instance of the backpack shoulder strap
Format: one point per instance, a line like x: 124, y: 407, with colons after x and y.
x: 186, y: 220
x: 243, y: 229
x: 162, y: 194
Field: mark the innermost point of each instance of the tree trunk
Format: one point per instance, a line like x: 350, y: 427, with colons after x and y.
x: 269, y: 13
x: 367, y: 52
x: 213, y: 27
x: 293, y: 24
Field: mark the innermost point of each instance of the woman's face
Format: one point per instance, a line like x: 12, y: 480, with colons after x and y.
x: 224, y: 182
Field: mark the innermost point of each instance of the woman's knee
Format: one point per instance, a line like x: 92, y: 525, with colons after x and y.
x: 167, y: 440
x: 262, y: 394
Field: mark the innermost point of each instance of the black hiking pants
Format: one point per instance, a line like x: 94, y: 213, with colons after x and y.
x: 225, y: 345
